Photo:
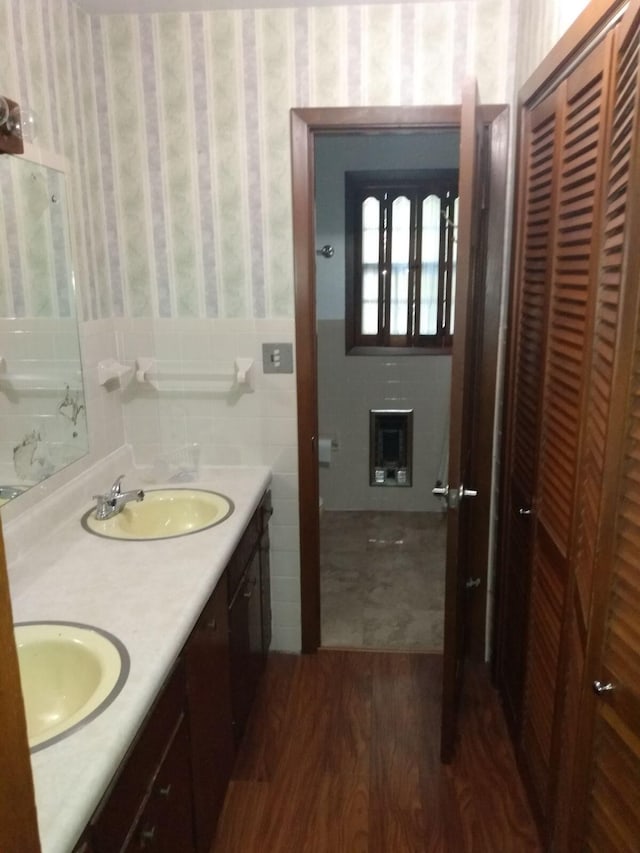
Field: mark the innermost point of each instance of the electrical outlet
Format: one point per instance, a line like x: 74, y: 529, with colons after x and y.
x: 277, y: 358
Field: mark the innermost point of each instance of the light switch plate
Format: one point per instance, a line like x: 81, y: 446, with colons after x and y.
x: 277, y: 358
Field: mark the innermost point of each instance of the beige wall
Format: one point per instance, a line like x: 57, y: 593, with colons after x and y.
x: 177, y: 128
x: 540, y: 24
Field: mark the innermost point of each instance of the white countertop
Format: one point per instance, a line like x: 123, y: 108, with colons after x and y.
x: 149, y: 594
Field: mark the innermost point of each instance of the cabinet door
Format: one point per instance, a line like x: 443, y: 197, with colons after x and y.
x: 116, y: 822
x: 209, y: 701
x: 245, y: 640
x: 166, y: 822
x: 265, y: 574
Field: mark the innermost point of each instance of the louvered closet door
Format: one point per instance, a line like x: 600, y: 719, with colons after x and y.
x: 613, y: 782
x: 536, y: 214
x: 596, y: 72
x: 574, y: 263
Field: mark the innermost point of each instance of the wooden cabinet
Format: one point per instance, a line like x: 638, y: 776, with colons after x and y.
x: 209, y: 702
x: 249, y: 616
x: 266, y: 511
x: 571, y: 525
x: 150, y: 801
x: 170, y: 789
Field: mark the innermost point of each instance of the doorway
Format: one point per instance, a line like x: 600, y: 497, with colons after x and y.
x: 306, y: 125
x: 383, y: 418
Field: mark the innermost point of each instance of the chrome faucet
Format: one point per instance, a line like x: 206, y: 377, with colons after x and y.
x: 113, y: 502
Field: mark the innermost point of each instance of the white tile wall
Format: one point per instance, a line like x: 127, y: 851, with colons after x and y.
x: 348, y: 387
x: 39, y: 353
x: 231, y: 426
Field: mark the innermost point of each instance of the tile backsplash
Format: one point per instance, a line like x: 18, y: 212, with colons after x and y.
x: 42, y: 406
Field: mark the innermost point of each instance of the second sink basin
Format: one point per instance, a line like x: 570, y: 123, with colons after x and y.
x: 69, y: 673
x: 163, y: 514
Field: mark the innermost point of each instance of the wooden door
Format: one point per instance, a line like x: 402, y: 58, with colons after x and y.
x: 581, y: 121
x: 536, y: 212
x: 606, y: 794
x: 461, y: 426
x: 18, y: 821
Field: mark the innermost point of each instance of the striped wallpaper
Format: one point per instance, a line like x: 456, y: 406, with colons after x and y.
x: 177, y: 131
x: 35, y: 255
x: 540, y: 25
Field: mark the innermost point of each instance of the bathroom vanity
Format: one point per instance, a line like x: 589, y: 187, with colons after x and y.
x: 194, y: 615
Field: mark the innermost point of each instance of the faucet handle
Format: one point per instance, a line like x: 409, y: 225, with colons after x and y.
x: 104, y: 505
x: 115, y: 489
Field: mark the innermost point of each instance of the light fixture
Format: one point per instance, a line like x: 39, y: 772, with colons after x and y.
x: 14, y: 127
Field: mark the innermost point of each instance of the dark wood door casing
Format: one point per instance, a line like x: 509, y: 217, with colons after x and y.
x: 305, y: 124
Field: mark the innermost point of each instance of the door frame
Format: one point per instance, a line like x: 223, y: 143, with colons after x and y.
x: 306, y: 123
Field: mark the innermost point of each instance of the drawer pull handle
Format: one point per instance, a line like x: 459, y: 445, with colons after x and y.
x: 148, y: 835
x: 164, y: 792
x: 600, y: 687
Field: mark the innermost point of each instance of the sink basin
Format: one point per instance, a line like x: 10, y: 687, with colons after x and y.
x: 69, y: 673
x: 163, y: 514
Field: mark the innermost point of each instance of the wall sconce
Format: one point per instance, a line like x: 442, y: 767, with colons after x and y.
x: 13, y: 127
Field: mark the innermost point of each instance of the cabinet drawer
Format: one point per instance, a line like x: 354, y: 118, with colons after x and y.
x: 119, y: 811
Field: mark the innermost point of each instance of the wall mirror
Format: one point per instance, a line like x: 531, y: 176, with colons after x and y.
x: 43, y: 424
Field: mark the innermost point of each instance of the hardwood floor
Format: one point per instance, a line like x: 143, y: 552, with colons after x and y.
x: 341, y: 756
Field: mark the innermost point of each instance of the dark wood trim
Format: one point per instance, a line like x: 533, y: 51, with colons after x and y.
x: 305, y: 123
x: 303, y: 175
x: 488, y: 354
x: 346, y: 119
x: 583, y: 30
x: 403, y: 351
x: 18, y: 822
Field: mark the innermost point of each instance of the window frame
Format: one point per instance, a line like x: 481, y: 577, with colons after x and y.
x: 386, y: 186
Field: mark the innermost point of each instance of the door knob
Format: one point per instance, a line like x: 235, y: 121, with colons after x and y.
x: 524, y: 511
x: 454, y: 496
x: 600, y: 689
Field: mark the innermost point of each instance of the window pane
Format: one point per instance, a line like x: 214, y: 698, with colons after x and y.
x: 400, y: 240
x: 370, y: 290
x: 370, y: 230
x: 431, y: 207
x: 370, y: 257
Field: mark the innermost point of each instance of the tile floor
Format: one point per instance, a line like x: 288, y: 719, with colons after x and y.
x: 382, y: 579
